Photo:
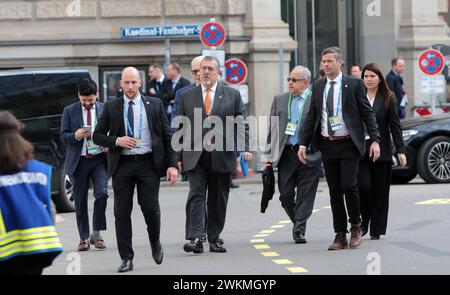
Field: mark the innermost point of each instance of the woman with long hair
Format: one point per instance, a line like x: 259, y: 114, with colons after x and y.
x: 28, y: 240
x: 374, y: 178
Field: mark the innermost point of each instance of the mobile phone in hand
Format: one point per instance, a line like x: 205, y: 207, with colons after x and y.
x: 87, y: 127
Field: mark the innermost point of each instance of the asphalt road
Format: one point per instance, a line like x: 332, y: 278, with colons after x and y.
x: 417, y: 241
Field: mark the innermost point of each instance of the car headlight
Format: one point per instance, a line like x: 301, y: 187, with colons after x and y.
x: 407, y: 134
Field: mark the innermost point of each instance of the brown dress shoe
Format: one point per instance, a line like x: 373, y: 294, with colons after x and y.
x: 83, y: 246
x: 340, y: 242
x: 356, y: 234
x: 97, y: 241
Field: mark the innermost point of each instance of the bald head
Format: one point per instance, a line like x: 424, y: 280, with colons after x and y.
x: 130, y: 82
x: 195, y: 69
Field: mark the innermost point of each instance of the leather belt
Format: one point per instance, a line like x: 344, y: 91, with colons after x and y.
x: 137, y: 157
x: 292, y: 147
x: 336, y: 138
x: 93, y: 156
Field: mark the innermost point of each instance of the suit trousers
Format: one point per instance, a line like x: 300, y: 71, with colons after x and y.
x: 202, y: 181
x: 135, y: 171
x: 374, y: 182
x: 297, y: 184
x: 341, y: 162
x: 94, y: 170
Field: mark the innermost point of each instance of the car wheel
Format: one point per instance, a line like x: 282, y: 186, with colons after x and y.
x: 63, y: 201
x: 433, y: 161
x: 403, y: 179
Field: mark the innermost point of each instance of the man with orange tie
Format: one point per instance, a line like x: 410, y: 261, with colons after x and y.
x: 207, y: 160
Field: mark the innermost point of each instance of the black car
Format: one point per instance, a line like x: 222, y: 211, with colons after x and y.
x: 37, y: 98
x: 427, y: 141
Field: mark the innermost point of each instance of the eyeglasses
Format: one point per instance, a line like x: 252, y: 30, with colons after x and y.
x: 294, y: 80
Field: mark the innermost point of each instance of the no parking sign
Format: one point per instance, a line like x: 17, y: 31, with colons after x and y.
x: 212, y: 34
x: 235, y: 71
x: 431, y: 62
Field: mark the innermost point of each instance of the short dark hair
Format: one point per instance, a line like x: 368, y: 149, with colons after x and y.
x: 87, y: 87
x: 176, y: 66
x: 16, y: 151
x: 156, y: 66
x: 395, y: 60
x: 357, y: 65
x: 336, y: 51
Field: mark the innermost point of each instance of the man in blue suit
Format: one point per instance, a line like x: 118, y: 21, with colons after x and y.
x: 396, y: 84
x: 86, y: 161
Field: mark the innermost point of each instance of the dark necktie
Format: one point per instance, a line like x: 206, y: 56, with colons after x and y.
x: 89, y: 122
x: 330, y: 106
x: 158, y: 86
x: 131, y: 118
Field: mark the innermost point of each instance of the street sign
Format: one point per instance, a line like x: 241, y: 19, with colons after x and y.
x: 243, y: 90
x: 433, y: 84
x: 235, y: 71
x: 219, y: 54
x: 159, y: 31
x: 212, y: 34
x: 431, y: 62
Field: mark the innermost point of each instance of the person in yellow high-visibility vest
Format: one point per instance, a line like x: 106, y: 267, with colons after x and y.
x: 28, y: 239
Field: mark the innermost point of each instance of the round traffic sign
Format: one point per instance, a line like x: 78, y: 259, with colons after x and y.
x: 431, y: 62
x: 235, y: 71
x: 212, y: 34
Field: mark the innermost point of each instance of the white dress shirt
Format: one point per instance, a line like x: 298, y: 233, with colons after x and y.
x: 146, y: 144
x: 93, y: 123
x: 337, y: 99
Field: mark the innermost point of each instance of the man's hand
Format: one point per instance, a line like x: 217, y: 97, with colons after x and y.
x: 374, y: 151
x: 104, y: 149
x: 126, y: 142
x: 402, y: 159
x: 248, y: 156
x: 82, y: 133
x: 172, y: 175
x: 302, y: 154
x: 180, y: 166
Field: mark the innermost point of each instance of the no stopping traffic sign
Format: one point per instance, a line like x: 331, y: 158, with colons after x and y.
x: 431, y: 62
x: 235, y: 71
x: 212, y: 34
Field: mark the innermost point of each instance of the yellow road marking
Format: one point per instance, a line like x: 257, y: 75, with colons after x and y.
x: 282, y: 261
x: 326, y: 207
x: 267, y: 231
x: 278, y: 226
x: 297, y: 269
x: 284, y: 222
x: 261, y: 247
x: 257, y: 241
x: 316, y: 210
x: 435, y: 202
x: 270, y: 254
x: 261, y: 235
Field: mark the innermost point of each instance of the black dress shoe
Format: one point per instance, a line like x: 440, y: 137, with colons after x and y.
x: 217, y: 247
x: 300, y: 239
x: 194, y: 245
x: 157, y: 252
x: 377, y: 237
x: 364, y: 231
x: 126, y: 266
x: 234, y: 185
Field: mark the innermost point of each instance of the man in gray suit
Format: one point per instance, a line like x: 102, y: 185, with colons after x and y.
x: 290, y: 109
x: 209, y: 159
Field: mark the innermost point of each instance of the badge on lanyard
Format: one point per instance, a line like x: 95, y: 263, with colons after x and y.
x: 290, y: 129
x: 92, y: 147
x: 335, y: 123
x: 138, y: 145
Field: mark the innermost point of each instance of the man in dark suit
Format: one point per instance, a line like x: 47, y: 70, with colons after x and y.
x: 205, y: 159
x: 173, y: 83
x: 138, y: 135
x: 396, y: 84
x: 335, y: 126
x: 290, y: 109
x: 86, y: 161
x: 156, y: 81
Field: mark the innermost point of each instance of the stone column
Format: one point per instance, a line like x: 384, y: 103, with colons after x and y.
x: 420, y: 28
x: 263, y: 23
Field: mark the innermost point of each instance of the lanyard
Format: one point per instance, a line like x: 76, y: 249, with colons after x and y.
x: 308, y: 94
x: 338, y: 107
x: 130, y: 131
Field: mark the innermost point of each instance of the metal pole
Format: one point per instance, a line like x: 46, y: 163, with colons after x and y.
x: 314, y: 36
x: 281, y: 65
x: 166, y: 38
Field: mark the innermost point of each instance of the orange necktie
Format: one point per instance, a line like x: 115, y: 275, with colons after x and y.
x: 208, y: 101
